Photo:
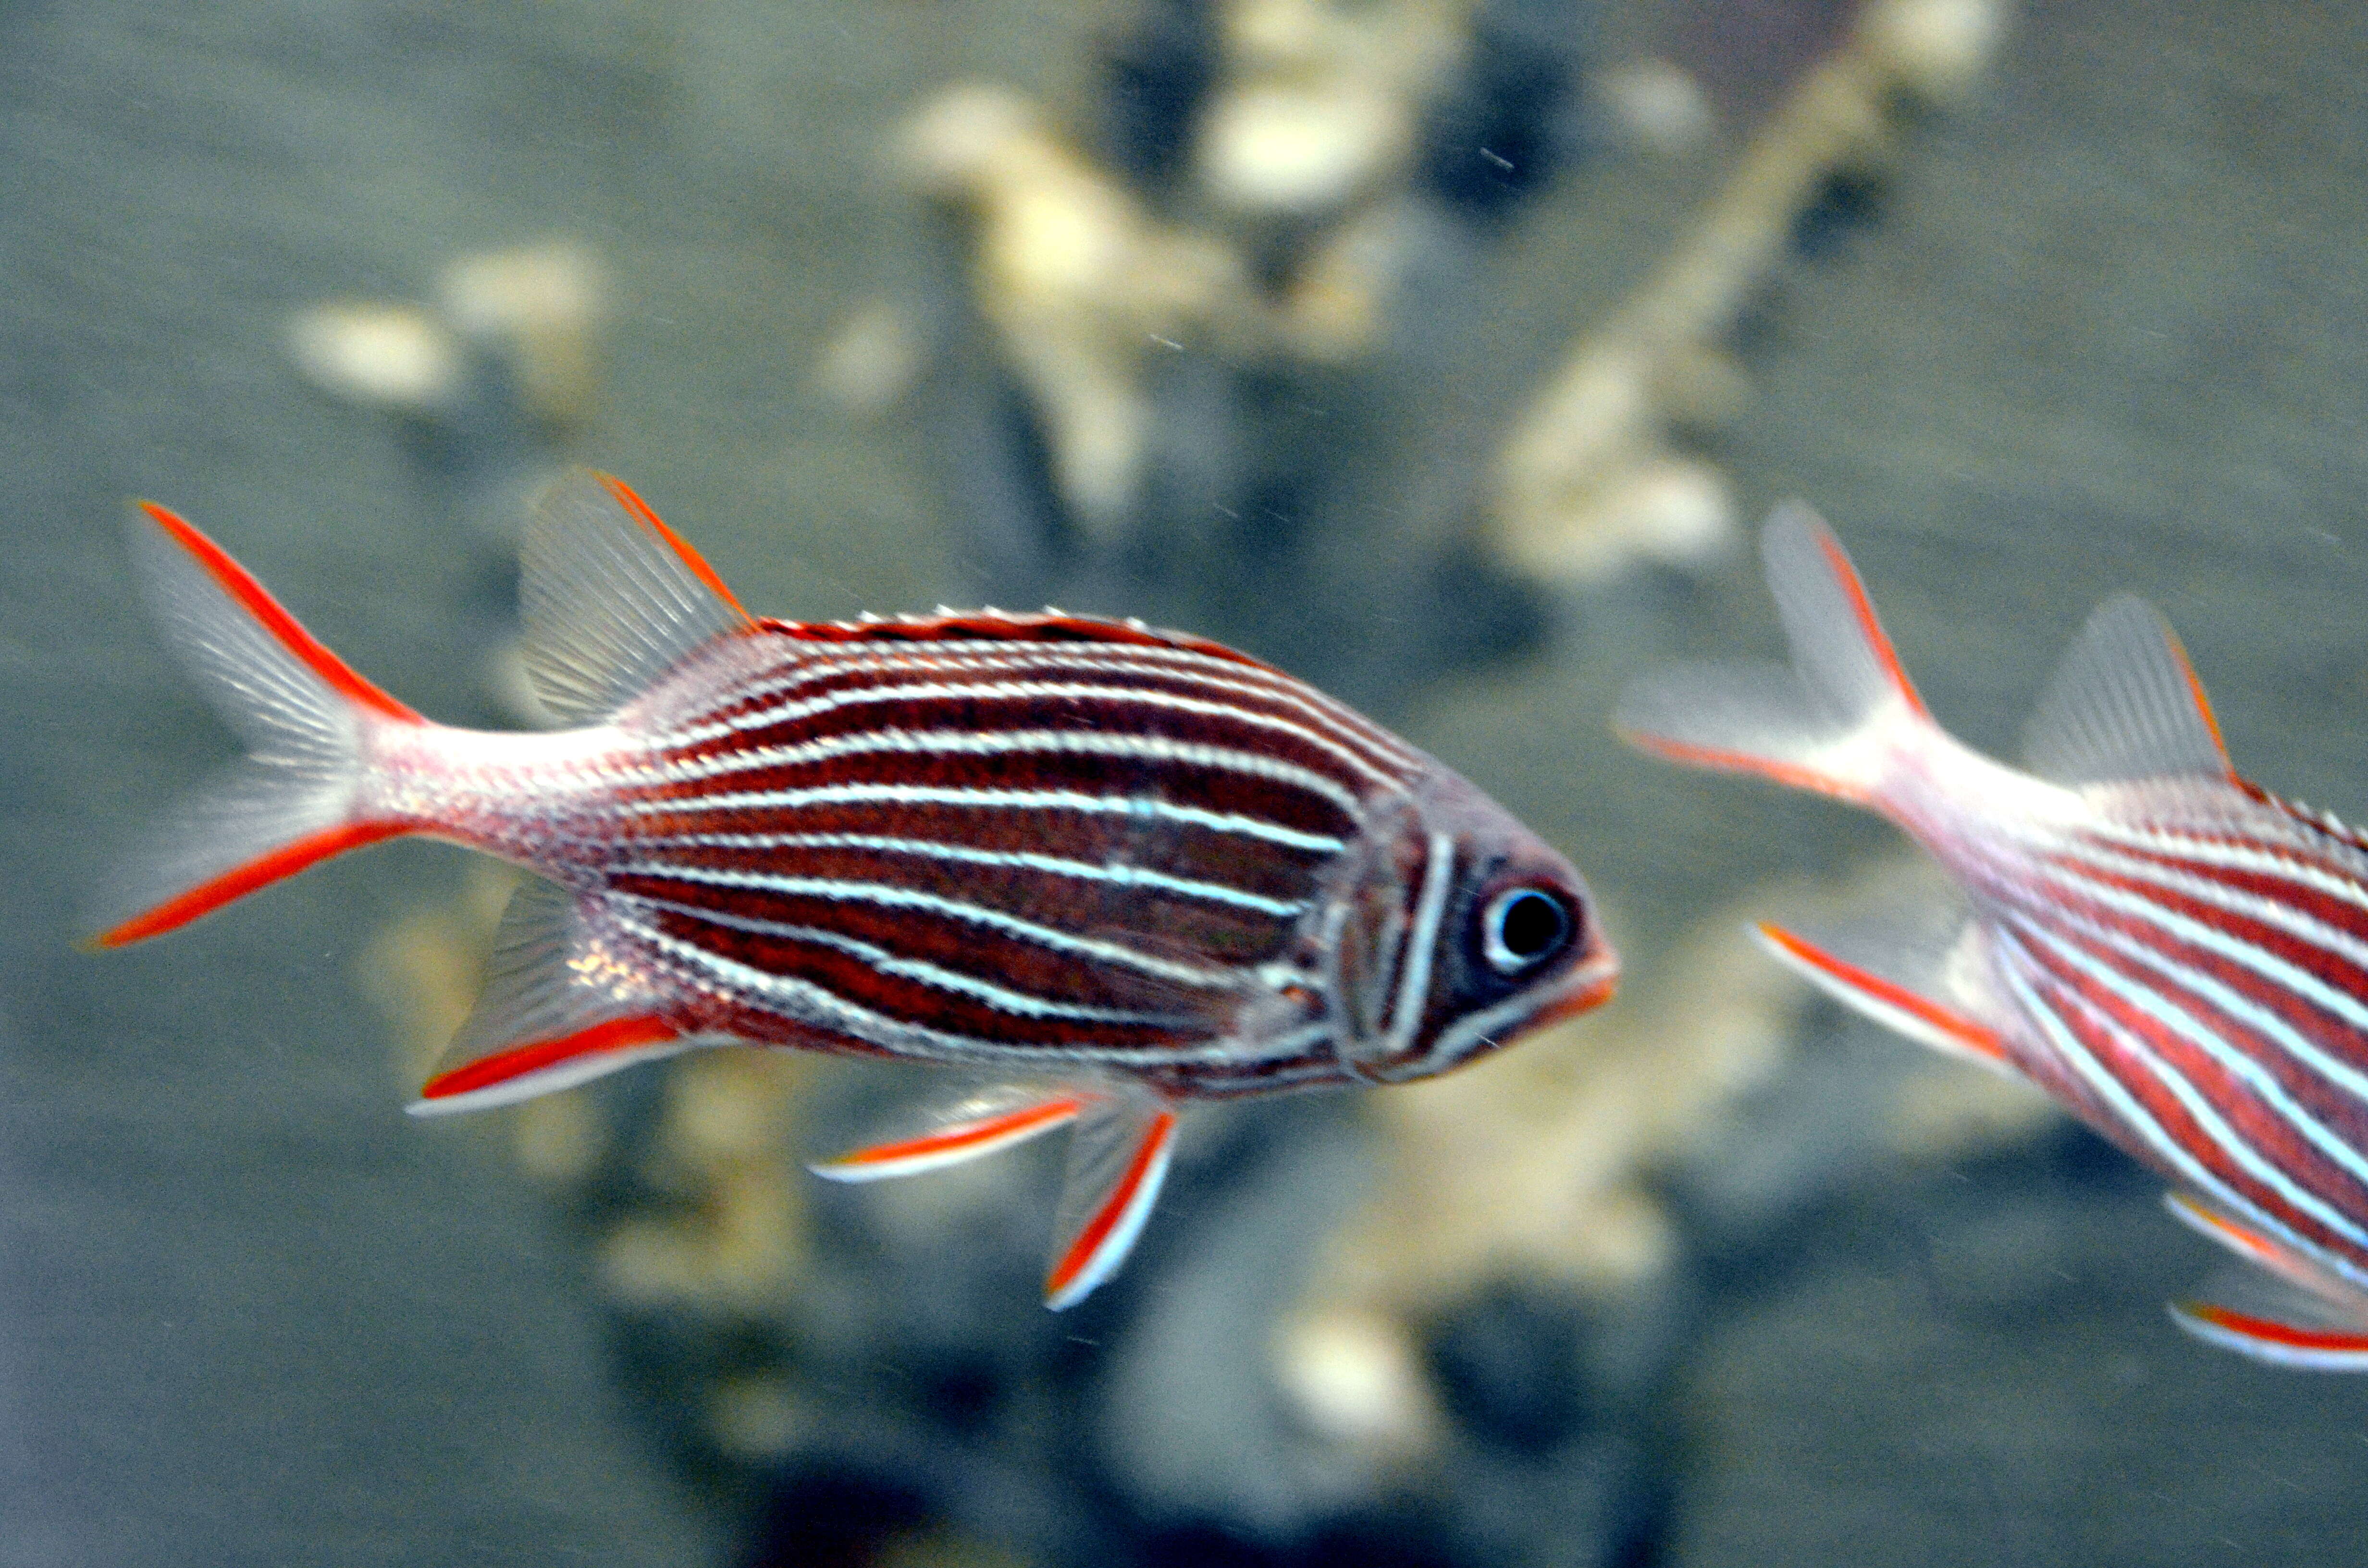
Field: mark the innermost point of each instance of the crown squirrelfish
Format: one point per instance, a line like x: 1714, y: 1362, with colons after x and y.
x: 1124, y: 869
x: 2178, y: 956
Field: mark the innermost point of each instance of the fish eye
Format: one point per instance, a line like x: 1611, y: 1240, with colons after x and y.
x: 1521, y: 928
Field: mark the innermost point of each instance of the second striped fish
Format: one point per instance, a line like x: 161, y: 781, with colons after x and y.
x: 2177, y: 955
x: 1117, y: 868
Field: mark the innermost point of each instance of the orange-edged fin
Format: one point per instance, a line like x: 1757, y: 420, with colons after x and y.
x: 639, y: 510
x: 2304, y: 1347
x: 2286, y: 1308
x: 1892, y: 982
x: 1830, y: 722
x: 611, y: 597
x: 546, y: 1021
x: 237, y: 584
x: 539, y: 1066
x: 1117, y: 1161
x: 302, y: 713
x: 269, y: 866
x: 970, y: 1129
x: 2125, y: 703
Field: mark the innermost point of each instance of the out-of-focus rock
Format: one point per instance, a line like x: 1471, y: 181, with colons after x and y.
x: 391, y: 356
x: 1082, y: 288
x: 539, y: 307
x: 872, y: 361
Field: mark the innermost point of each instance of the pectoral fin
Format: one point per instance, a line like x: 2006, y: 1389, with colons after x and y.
x: 2287, y: 1310
x: 1892, y: 977
x: 541, y: 1025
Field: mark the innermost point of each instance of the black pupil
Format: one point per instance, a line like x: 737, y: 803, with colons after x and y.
x: 1532, y: 925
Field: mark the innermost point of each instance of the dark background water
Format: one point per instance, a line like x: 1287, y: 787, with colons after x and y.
x: 2107, y: 331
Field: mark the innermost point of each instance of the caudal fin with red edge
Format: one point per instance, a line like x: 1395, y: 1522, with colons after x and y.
x: 1829, y: 722
x: 295, y: 800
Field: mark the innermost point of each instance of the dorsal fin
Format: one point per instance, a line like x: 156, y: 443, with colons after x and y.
x: 1003, y: 626
x: 611, y: 597
x: 2124, y: 704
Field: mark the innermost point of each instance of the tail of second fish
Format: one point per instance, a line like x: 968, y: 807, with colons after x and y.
x: 297, y: 798
x: 1831, y: 723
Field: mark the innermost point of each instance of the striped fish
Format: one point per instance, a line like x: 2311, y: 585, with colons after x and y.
x: 2178, y: 956
x: 1111, y: 869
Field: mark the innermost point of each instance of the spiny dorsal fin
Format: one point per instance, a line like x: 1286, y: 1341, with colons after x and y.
x: 1004, y: 626
x: 612, y: 598
x: 2124, y: 704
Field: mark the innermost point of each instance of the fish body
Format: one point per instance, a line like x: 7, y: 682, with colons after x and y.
x: 1114, y: 869
x: 2177, y: 955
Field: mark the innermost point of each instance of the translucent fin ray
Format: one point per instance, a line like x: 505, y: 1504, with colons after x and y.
x: 301, y: 713
x: 539, y: 1025
x: 611, y: 597
x: 1821, y: 724
x: 968, y: 1128
x: 2125, y: 703
x: 1118, y: 1159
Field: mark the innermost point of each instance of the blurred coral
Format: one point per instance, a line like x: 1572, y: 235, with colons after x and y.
x: 1585, y: 482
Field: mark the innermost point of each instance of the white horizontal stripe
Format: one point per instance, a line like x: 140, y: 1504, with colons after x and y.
x: 804, y: 1003
x: 1393, y: 776
x: 886, y: 895
x: 1116, y: 873
x: 2199, y: 1107
x: 2204, y: 889
x: 2267, y: 966
x: 1144, y: 806
x: 2257, y: 858
x: 2239, y: 1010
x: 1023, y: 1003
x: 2015, y: 968
x: 1157, y: 749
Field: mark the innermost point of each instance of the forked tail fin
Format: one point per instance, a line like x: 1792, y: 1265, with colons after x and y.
x: 1827, y: 724
x: 294, y: 800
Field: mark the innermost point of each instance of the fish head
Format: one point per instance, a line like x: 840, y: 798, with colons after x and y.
x: 1460, y: 930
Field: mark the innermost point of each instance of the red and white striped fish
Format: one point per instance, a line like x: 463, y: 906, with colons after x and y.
x: 2177, y: 955
x: 1128, y: 869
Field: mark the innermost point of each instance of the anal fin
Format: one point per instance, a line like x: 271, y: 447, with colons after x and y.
x: 1118, y: 1158
x: 540, y: 1025
x: 2286, y: 1310
x: 1894, y: 977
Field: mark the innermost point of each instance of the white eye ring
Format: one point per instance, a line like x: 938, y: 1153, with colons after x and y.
x: 1499, y: 953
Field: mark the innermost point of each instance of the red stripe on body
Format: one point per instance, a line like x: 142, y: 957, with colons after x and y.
x: 2250, y: 1118
x: 2324, y: 1029
x: 237, y: 883
x: 535, y: 1056
x: 251, y: 596
x: 965, y: 950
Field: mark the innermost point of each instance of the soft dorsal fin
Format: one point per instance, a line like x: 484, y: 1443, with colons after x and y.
x: 612, y: 598
x: 2124, y: 704
x: 1004, y: 626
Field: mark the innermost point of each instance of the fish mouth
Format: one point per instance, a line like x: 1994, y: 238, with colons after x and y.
x: 1588, y: 986
x: 1593, y: 984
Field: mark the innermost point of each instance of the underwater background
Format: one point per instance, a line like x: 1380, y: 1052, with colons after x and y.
x: 1443, y: 354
